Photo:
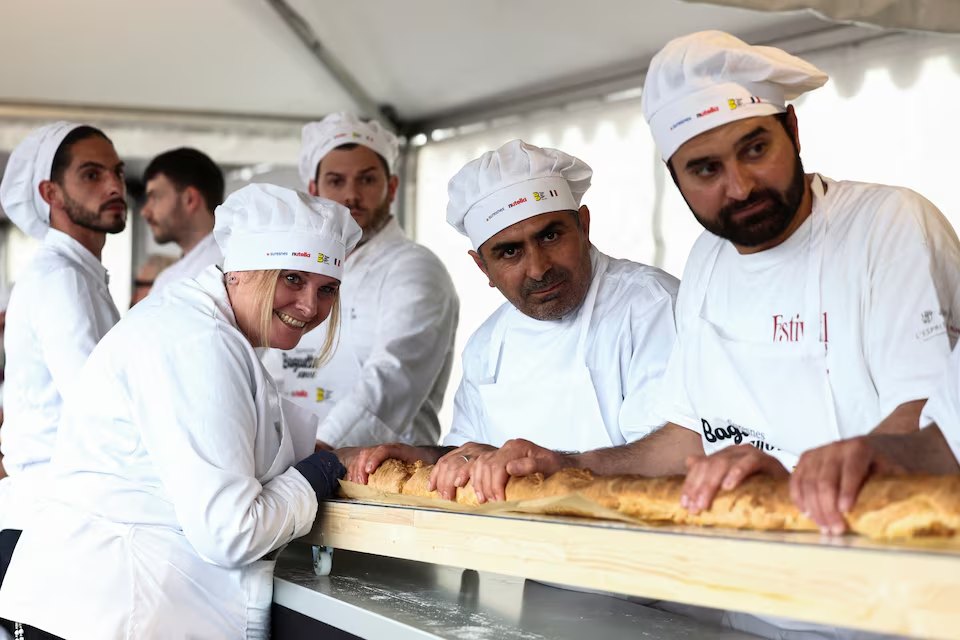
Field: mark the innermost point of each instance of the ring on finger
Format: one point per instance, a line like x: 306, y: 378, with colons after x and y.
x: 465, y: 458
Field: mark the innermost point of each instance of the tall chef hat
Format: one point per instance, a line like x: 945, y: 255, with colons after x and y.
x: 29, y: 165
x: 513, y: 183
x: 338, y: 129
x: 708, y: 79
x: 263, y: 226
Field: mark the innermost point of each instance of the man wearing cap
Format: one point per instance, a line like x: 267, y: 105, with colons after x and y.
x: 400, y: 310
x: 64, y: 186
x: 183, y: 187
x: 811, y: 310
x: 573, y: 360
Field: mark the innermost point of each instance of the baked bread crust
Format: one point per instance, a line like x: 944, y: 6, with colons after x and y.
x: 888, y: 507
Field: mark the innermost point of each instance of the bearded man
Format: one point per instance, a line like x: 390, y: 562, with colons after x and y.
x: 399, y: 308
x: 63, y: 185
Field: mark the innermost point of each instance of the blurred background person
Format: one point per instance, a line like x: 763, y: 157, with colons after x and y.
x: 183, y: 187
x: 146, y: 278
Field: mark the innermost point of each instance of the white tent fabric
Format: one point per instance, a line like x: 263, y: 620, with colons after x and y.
x: 925, y: 15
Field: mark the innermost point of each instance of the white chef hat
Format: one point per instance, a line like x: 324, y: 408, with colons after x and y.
x: 513, y: 183
x: 708, y: 79
x: 28, y: 166
x: 263, y: 226
x: 338, y: 129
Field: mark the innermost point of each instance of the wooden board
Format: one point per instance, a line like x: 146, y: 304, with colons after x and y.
x: 908, y: 588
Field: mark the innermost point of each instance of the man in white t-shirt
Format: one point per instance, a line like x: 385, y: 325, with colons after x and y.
x: 810, y: 311
x: 184, y: 186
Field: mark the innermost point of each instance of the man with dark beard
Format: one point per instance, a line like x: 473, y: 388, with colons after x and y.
x: 399, y: 308
x: 63, y: 185
x: 811, y: 311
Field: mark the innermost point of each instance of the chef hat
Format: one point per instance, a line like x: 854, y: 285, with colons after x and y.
x: 263, y: 226
x: 708, y: 79
x: 338, y: 129
x: 513, y: 183
x: 29, y: 165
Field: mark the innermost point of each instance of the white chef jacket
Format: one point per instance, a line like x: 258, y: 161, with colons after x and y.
x: 889, y: 301
x: 59, y: 310
x: 399, y: 314
x: 170, y: 485
x: 890, y: 296
x: 630, y: 336
x: 943, y: 407
x: 206, y: 253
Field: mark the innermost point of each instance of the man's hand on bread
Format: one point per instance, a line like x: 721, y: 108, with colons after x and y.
x: 725, y: 469
x: 516, y: 457
x: 825, y: 484
x: 456, y: 468
x: 362, y: 461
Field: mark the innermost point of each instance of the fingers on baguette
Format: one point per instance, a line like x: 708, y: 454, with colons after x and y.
x: 888, y: 507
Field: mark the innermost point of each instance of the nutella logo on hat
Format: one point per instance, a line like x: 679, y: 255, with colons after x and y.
x: 300, y: 393
x: 516, y: 203
x: 707, y: 112
x: 301, y: 254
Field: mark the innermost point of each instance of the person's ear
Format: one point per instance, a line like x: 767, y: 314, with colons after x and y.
x: 584, y: 214
x: 312, y: 188
x: 51, y: 193
x: 191, y: 198
x: 793, y: 125
x: 392, y: 184
x: 479, y: 262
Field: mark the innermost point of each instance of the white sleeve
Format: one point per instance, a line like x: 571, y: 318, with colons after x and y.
x: 674, y: 404
x: 65, y: 320
x: 906, y: 341
x: 654, y: 334
x: 417, y: 322
x: 467, y: 416
x: 943, y: 407
x: 200, y: 429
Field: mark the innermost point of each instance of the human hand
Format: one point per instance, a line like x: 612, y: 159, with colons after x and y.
x: 725, y: 469
x: 366, y: 459
x: 827, y: 480
x: 455, y: 469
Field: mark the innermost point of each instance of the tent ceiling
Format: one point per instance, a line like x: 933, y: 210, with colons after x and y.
x: 423, y: 57
x: 926, y: 15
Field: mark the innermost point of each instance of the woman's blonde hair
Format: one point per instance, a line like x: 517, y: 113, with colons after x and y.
x: 264, y: 283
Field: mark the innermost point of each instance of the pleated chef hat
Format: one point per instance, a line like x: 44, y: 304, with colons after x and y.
x: 337, y: 129
x: 28, y: 166
x: 708, y: 79
x: 513, y: 183
x: 263, y: 226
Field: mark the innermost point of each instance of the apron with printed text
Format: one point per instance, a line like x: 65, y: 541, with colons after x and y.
x: 775, y: 396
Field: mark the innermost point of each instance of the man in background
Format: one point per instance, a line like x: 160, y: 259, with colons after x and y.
x: 184, y: 186
x: 399, y: 309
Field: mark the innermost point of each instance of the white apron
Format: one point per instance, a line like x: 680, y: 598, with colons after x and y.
x: 775, y: 396
x: 555, y: 409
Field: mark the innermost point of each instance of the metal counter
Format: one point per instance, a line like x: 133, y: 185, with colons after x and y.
x: 375, y: 597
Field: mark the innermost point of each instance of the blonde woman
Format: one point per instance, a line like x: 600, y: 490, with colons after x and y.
x: 178, y: 474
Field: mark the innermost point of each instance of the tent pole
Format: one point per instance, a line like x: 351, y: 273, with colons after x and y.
x: 364, y: 101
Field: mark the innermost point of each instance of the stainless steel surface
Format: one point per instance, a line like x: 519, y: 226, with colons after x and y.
x: 378, y: 597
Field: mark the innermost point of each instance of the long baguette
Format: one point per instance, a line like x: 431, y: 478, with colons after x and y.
x: 888, y: 507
